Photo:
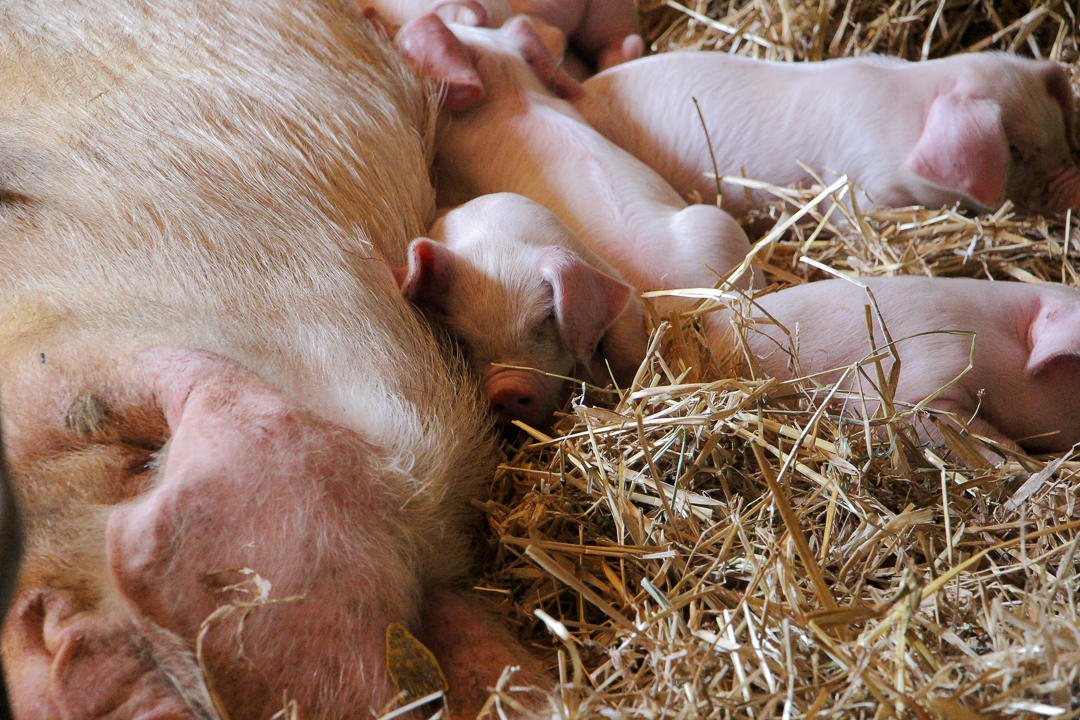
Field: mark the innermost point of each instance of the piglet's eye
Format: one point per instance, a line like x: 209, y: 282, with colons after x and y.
x: 1017, y: 154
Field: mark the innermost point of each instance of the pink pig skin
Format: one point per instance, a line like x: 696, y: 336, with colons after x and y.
x: 395, y: 13
x: 1027, y: 348
x: 978, y: 128
x: 525, y: 140
x: 514, y: 286
x: 603, y: 33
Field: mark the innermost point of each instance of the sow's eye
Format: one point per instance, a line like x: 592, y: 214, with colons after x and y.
x: 547, y: 326
x: 1019, y: 154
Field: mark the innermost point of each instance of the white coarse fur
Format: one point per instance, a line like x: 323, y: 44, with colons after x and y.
x: 934, y: 322
x: 859, y: 116
x: 238, y: 178
x: 523, y: 139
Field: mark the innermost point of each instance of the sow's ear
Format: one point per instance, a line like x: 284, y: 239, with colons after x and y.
x: 586, y: 300
x: 1054, y: 335
x: 963, y: 148
x: 426, y: 280
x: 436, y: 53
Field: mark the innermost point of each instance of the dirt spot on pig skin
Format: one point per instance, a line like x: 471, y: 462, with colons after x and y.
x: 11, y: 197
x: 86, y: 414
x: 91, y: 438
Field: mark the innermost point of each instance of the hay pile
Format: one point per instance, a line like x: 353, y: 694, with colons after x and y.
x: 697, y: 548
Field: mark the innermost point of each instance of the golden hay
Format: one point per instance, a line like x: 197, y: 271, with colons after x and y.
x: 707, y: 546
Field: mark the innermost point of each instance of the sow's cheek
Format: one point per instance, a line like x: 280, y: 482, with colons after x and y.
x: 217, y: 477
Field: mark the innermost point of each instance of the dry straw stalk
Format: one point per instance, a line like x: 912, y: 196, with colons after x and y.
x: 707, y: 545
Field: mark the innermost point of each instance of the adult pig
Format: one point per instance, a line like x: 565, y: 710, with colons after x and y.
x: 1024, y: 385
x: 218, y: 407
x: 976, y: 129
x: 525, y: 140
x: 515, y: 287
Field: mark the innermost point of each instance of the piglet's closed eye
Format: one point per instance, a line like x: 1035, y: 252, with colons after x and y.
x: 586, y: 300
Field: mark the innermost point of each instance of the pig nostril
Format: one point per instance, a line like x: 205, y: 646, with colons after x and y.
x: 525, y: 402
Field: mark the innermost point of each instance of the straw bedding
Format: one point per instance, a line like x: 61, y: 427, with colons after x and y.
x: 706, y: 545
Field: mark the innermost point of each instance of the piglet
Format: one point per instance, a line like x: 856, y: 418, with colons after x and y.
x: 601, y: 33
x: 976, y: 129
x: 1023, y: 388
x: 523, y: 139
x: 515, y: 287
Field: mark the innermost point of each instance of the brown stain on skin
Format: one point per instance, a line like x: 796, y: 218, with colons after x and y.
x: 87, y: 414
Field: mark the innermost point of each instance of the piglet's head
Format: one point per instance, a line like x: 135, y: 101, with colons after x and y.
x: 523, y: 315
x: 447, y: 46
x: 1003, y: 131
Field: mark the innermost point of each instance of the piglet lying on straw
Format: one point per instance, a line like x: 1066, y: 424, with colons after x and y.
x: 1024, y: 385
x: 515, y: 287
x: 976, y: 129
x: 523, y: 139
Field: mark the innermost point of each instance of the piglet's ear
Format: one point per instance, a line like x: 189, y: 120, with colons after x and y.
x: 587, y: 301
x: 436, y: 53
x: 1054, y: 335
x: 963, y: 148
x: 462, y: 12
x: 426, y: 280
x: 542, y: 46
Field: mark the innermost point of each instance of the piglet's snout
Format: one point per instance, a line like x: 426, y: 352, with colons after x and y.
x: 515, y: 395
